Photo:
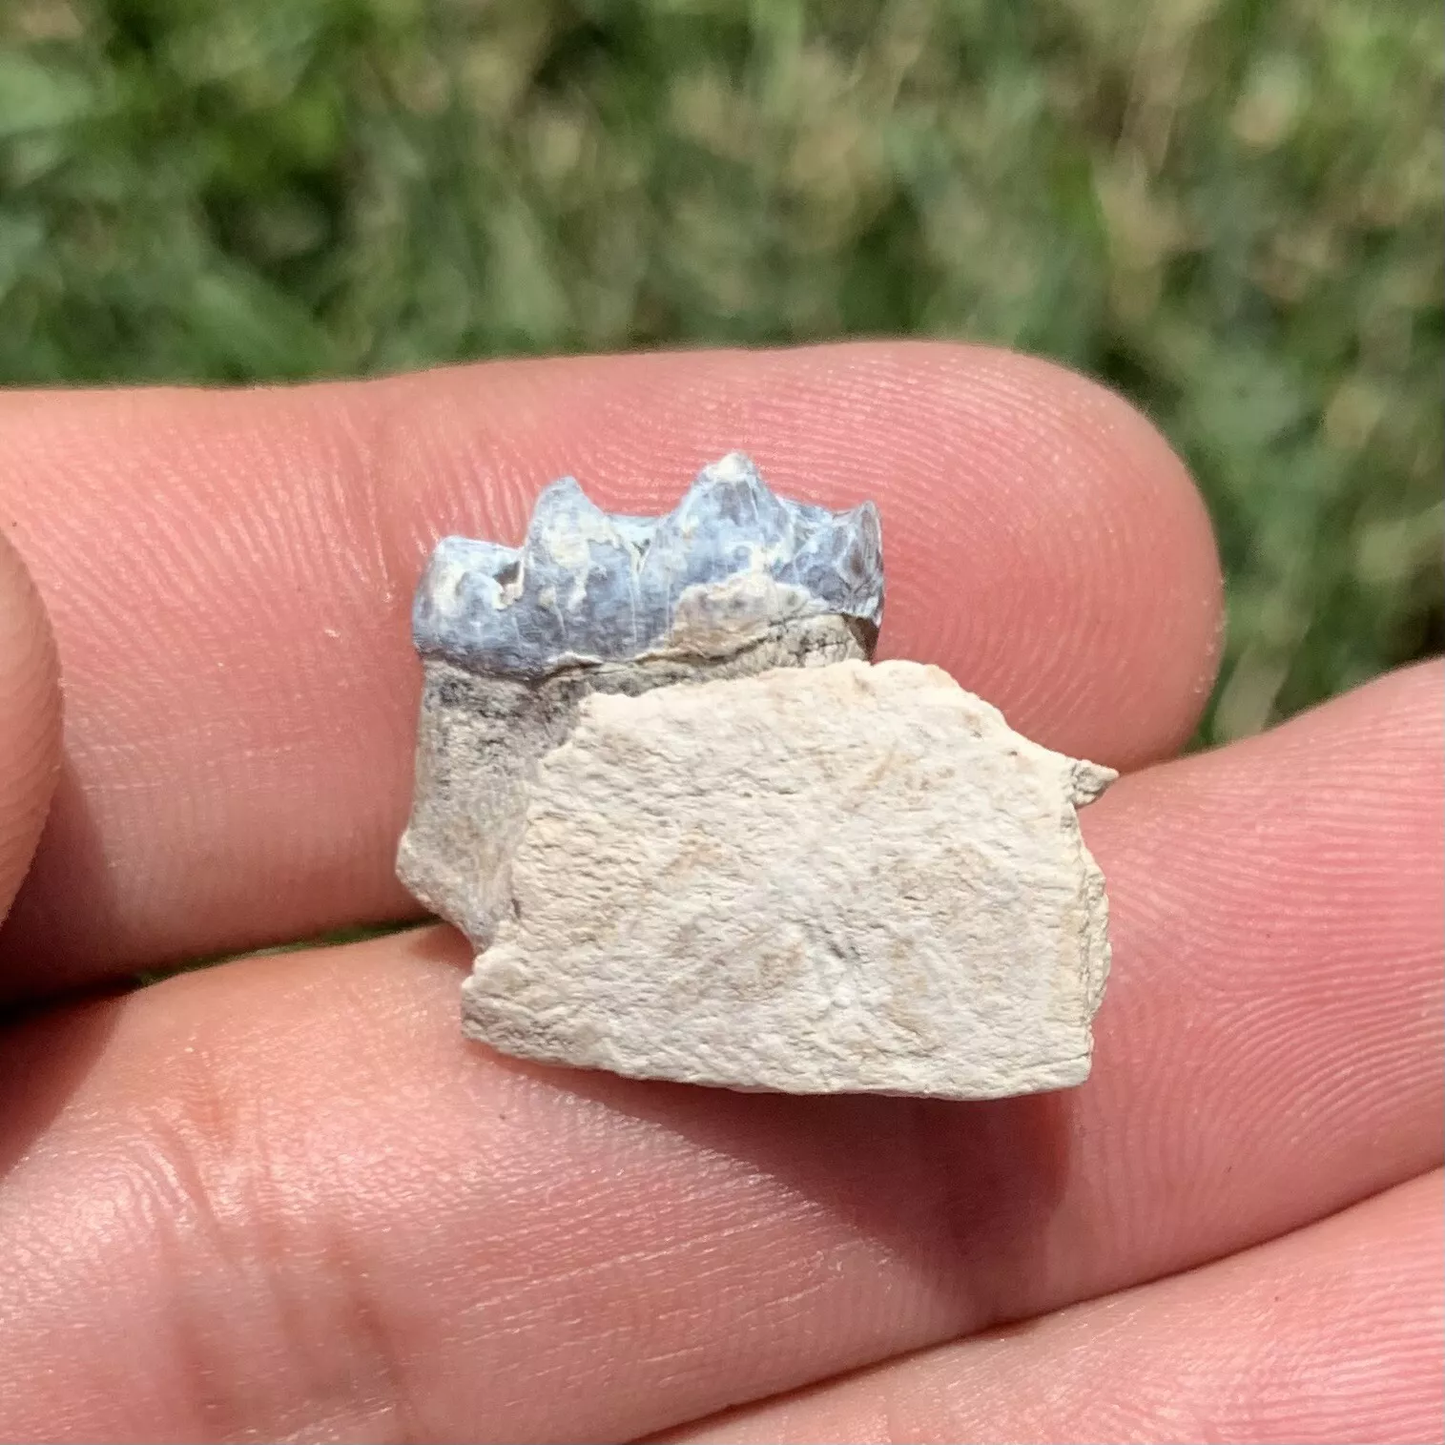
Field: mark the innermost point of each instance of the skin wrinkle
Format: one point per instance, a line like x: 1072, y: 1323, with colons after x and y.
x: 1330, y: 1333
x: 214, y: 1148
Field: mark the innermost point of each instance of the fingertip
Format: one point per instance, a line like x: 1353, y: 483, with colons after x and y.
x: 1101, y: 626
x: 29, y: 721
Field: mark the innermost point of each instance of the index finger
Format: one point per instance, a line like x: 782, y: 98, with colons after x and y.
x: 229, y: 576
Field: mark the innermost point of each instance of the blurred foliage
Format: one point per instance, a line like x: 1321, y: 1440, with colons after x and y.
x: 1228, y: 209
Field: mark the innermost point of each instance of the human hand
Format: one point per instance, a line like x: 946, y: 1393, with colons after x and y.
x: 283, y: 1198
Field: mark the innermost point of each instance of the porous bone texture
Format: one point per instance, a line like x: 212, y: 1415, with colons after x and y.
x: 811, y: 880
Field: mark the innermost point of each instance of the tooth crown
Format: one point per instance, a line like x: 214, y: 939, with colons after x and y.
x: 587, y: 587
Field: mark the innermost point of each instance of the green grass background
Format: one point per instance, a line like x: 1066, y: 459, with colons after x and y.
x: 1228, y: 209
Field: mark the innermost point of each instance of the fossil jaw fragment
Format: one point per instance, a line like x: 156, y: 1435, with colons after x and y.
x: 694, y: 836
x: 734, y: 581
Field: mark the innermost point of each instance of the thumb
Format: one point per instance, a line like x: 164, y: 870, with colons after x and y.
x: 29, y: 721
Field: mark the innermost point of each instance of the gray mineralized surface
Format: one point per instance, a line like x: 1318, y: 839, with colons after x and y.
x: 588, y: 587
